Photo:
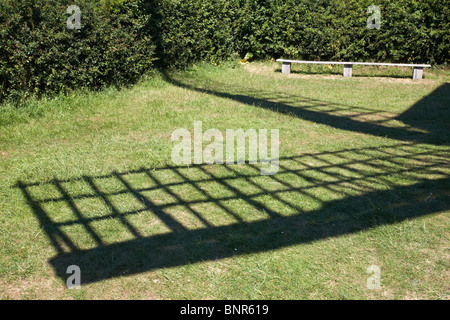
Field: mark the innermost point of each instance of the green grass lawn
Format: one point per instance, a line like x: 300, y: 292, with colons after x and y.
x: 87, y: 179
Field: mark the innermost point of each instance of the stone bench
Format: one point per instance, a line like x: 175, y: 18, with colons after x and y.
x: 348, y: 66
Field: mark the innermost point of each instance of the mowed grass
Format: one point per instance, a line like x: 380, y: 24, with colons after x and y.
x: 88, y: 179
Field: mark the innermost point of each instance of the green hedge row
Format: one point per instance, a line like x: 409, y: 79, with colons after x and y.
x: 411, y: 31
x: 122, y: 39
x: 40, y: 54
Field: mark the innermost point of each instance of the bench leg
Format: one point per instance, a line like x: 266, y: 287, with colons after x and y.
x: 417, y: 73
x: 286, y: 68
x: 348, y: 70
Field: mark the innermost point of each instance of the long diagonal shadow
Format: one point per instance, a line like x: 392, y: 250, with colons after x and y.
x: 432, y: 110
x: 236, y: 210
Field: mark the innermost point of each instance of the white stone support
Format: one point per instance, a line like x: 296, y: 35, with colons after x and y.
x: 417, y: 73
x: 348, y: 68
x: 286, y: 68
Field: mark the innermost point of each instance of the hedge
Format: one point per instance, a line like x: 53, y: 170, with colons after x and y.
x: 40, y: 54
x: 122, y: 39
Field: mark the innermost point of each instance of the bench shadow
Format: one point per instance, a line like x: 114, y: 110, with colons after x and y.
x: 312, y: 72
x: 351, y: 188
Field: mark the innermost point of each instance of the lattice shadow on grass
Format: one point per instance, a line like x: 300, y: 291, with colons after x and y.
x: 131, y: 222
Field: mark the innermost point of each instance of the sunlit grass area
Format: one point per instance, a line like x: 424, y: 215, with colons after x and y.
x: 88, y: 180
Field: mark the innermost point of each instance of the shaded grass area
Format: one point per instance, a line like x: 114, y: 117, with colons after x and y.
x: 363, y: 180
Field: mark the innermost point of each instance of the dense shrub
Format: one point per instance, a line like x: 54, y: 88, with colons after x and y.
x: 39, y: 53
x: 190, y: 30
x: 411, y: 31
x: 122, y: 39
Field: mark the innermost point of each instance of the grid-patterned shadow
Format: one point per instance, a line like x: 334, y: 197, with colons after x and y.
x: 132, y: 222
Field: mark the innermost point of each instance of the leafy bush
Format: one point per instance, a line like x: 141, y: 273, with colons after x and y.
x: 411, y: 31
x: 190, y: 30
x: 185, y: 31
x: 40, y: 54
x: 122, y: 39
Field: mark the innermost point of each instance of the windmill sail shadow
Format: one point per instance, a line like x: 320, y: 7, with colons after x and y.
x: 175, y: 216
